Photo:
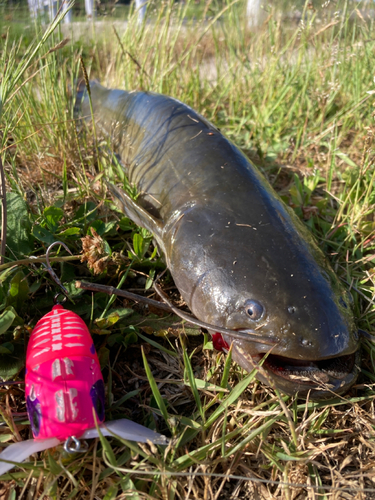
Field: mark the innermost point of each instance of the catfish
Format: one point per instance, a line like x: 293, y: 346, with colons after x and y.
x: 241, y: 259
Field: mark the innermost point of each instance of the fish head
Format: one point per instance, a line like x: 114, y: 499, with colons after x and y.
x: 279, y: 287
x: 310, y: 319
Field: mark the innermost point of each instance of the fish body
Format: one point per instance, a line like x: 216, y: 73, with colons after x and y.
x: 240, y: 258
x: 64, y: 384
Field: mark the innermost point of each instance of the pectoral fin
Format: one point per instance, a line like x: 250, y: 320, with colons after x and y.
x: 18, y: 452
x: 138, y: 214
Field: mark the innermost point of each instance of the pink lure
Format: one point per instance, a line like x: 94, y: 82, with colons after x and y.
x: 63, y: 378
x: 64, y: 389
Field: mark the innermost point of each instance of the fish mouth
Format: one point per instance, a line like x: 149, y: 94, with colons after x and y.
x: 311, y: 372
x: 317, y: 379
x: 324, y: 379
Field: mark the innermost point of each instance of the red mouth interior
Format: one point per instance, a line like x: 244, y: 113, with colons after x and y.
x: 219, y: 343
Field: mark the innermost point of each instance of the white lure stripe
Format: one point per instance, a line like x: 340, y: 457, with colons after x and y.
x: 42, y: 351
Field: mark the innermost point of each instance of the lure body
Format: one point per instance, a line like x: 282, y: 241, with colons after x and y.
x: 64, y: 383
x: 65, y: 390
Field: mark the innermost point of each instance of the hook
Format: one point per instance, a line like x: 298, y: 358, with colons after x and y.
x: 49, y: 268
x: 74, y: 445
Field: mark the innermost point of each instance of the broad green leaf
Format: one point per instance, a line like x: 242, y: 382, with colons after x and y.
x: 11, y: 364
x: 42, y: 234
x: 4, y: 350
x: 34, y: 287
x: 12, y: 495
x: 86, y: 212
x: 53, y: 215
x: 113, y: 317
x: 55, y: 468
x: 107, y: 322
x: 4, y: 438
x: 103, y: 355
x: 109, y: 226
x: 207, y: 342
x: 111, y: 492
x: 19, y: 239
x: 129, y: 488
x: 71, y: 231
x: 150, y: 279
x: 116, y: 337
x: 6, y: 319
x: 18, y: 291
x: 99, y: 226
x: 107, y: 248
x: 138, y: 245
x: 125, y: 224
x: 154, y: 253
x: 130, y: 338
x: 9, y: 346
x: 8, y: 272
x: 121, y: 312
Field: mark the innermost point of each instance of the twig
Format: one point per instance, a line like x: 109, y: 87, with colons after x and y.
x: 37, y: 260
x: 3, y: 213
x: 111, y: 290
x: 248, y: 335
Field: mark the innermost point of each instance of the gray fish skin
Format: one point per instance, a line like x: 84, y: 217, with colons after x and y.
x: 228, y: 238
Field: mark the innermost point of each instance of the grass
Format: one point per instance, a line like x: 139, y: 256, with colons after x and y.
x: 298, y: 99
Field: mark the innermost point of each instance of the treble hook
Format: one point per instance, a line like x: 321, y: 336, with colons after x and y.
x: 48, y: 267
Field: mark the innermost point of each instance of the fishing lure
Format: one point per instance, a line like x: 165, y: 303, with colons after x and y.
x: 65, y: 390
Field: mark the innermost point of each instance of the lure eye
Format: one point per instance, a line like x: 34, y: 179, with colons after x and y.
x: 254, y: 309
x: 35, y: 415
x: 97, y: 395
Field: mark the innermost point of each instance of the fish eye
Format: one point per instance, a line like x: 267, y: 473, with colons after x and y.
x: 292, y: 309
x: 254, y: 309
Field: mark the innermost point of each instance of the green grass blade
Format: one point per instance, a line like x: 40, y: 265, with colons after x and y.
x: 193, y: 386
x: 155, y: 391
